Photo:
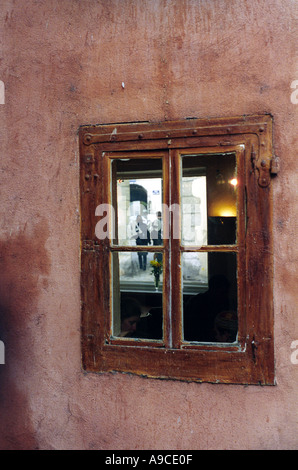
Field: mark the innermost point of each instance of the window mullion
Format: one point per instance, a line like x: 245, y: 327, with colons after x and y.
x: 167, y: 300
x: 175, y: 239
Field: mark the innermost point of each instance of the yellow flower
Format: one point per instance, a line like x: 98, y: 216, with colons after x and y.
x: 155, y: 264
x: 156, y: 267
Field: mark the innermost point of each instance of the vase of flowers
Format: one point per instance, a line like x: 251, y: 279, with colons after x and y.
x: 156, y: 281
x: 156, y: 271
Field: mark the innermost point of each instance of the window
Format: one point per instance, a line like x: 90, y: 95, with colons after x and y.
x: 176, y: 249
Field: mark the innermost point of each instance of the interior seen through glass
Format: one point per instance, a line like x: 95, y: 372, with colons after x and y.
x: 137, y: 191
x: 209, y: 280
x: 137, y: 297
x: 209, y: 189
x: 210, y: 308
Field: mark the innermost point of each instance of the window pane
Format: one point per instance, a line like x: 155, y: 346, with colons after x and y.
x: 137, y: 295
x: 209, y: 185
x: 210, y: 308
x: 137, y: 200
x: 195, y: 271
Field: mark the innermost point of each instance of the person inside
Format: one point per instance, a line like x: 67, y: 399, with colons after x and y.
x: 142, y: 238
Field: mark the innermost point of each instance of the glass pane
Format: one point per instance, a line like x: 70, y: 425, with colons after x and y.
x: 209, y: 186
x: 137, y: 295
x: 137, y: 201
x: 210, y: 304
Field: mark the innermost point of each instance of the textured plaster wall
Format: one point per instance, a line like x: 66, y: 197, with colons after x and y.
x: 63, y: 64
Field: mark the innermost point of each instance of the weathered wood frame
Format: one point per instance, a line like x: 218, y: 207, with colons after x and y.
x: 251, y: 361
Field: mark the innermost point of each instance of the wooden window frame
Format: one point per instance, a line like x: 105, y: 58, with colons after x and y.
x: 251, y: 361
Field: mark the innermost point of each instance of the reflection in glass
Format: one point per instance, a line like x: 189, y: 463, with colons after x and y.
x: 210, y: 311
x: 195, y: 270
x: 137, y: 200
x: 137, y: 303
x: 209, y: 190
x: 194, y: 209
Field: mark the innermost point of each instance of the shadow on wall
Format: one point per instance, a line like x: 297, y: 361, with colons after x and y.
x: 24, y: 266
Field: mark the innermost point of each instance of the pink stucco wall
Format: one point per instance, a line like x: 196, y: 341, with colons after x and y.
x: 63, y: 64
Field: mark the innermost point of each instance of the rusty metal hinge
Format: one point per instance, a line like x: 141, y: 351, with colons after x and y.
x: 266, y: 166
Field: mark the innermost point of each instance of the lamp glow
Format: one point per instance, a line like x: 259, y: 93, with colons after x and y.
x: 227, y: 212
